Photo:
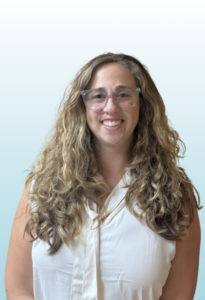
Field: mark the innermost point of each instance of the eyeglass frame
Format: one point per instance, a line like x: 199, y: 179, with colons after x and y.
x: 84, y: 92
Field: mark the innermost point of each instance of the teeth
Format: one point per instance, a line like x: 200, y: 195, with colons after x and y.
x: 111, y: 123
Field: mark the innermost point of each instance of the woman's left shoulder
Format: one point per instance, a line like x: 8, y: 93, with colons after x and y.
x: 182, y: 280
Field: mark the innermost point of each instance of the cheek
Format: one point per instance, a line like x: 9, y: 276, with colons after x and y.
x: 134, y: 118
x: 91, y: 118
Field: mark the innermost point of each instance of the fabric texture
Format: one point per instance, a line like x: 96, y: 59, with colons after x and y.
x: 122, y: 259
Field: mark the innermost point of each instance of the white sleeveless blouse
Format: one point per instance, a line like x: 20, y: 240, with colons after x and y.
x: 122, y: 260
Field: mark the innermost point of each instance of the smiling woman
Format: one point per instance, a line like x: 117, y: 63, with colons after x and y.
x: 114, y: 123
x: 110, y: 213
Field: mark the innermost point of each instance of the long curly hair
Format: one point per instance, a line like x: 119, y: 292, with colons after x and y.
x: 66, y: 174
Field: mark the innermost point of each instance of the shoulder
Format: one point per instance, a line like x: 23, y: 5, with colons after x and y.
x: 18, y: 273
x: 182, y: 279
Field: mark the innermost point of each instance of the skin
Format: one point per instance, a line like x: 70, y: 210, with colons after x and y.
x: 18, y: 273
x: 182, y: 280
x: 112, y: 144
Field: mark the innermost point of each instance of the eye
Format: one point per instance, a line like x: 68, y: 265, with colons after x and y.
x: 98, y: 96
x: 123, y: 95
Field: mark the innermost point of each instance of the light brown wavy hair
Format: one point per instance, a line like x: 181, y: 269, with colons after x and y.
x: 66, y: 173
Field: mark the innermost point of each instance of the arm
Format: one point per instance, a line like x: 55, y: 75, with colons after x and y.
x: 18, y: 273
x: 182, y: 279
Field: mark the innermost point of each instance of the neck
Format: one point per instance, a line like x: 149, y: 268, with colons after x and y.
x: 112, y: 161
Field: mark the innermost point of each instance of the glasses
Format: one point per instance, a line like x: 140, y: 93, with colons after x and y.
x: 124, y: 98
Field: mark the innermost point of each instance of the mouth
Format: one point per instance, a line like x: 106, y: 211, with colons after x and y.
x: 112, y: 123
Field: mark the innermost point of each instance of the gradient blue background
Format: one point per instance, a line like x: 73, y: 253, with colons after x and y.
x: 44, y: 43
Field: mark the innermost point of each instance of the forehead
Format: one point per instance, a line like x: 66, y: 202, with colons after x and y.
x: 111, y: 75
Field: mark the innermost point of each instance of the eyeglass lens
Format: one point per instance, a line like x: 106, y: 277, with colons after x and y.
x: 125, y: 98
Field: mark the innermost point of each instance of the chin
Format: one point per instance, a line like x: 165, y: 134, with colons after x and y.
x: 113, y: 142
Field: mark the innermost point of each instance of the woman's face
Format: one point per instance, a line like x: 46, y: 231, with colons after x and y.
x: 109, y: 77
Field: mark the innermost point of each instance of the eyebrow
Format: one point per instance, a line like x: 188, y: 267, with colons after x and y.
x: 117, y: 87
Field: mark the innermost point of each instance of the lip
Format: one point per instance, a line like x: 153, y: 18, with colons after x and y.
x: 111, y: 119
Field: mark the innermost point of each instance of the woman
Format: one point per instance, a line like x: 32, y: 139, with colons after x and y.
x: 110, y: 213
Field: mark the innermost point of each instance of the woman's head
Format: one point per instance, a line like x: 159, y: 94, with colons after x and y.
x: 113, y: 124
x: 149, y: 110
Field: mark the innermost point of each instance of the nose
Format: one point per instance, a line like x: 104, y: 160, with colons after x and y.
x: 111, y: 107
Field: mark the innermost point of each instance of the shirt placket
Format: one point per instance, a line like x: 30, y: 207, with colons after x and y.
x: 84, y: 282
x: 90, y: 284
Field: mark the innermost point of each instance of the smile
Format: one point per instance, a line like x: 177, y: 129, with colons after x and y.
x: 112, y: 123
